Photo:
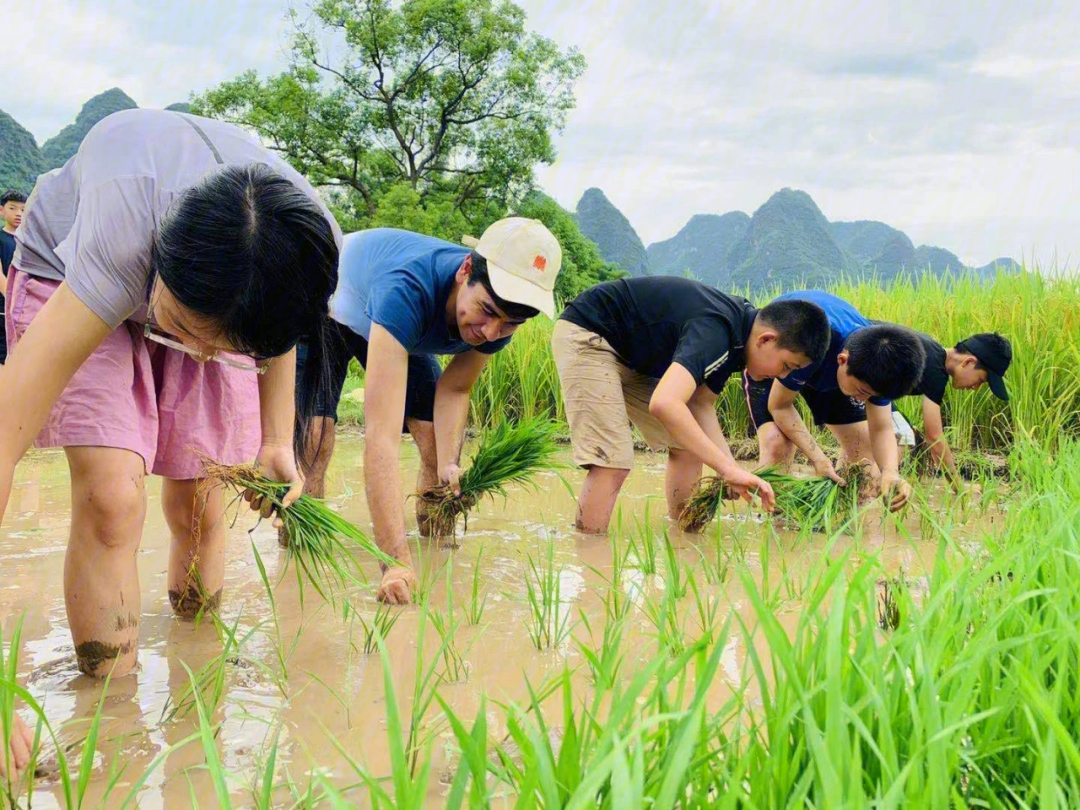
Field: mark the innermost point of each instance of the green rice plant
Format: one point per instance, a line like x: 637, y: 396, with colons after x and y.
x: 455, y: 669
x: 641, y: 550
x: 674, y: 579
x: 663, y: 613
x: 815, y: 502
x: 548, y: 620
x: 606, y: 661
x: 209, y: 685
x: 510, y: 453
x: 322, y: 544
x: 474, y: 608
x: 378, y: 626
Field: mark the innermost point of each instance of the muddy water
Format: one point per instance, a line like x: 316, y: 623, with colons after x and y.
x: 331, y: 689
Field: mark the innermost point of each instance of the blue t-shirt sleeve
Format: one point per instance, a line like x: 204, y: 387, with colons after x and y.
x: 879, y: 401
x: 397, y: 302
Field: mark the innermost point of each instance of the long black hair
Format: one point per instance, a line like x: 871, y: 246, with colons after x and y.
x: 253, y: 254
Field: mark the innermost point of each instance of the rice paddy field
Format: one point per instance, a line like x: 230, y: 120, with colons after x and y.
x: 927, y: 659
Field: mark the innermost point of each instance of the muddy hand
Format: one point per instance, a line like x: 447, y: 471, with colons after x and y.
x: 22, y: 743
x: 277, y: 463
x: 451, y: 477
x: 896, y: 492
x: 397, y: 586
x: 826, y: 469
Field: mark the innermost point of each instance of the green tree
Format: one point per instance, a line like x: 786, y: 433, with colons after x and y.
x: 451, y: 100
x: 582, y: 264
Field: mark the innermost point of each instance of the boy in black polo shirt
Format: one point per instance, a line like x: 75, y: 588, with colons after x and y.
x: 656, y: 351
x: 979, y: 360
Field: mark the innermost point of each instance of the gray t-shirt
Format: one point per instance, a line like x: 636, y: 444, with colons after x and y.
x: 92, y: 222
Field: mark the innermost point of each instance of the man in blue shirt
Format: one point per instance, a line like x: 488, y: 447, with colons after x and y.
x: 402, y: 300
x: 850, y: 391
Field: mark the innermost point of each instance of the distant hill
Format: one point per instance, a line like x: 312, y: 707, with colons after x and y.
x: 700, y: 249
x: 20, y: 159
x: 605, y: 225
x: 59, y: 148
x: 789, y: 243
x: 877, y: 248
x: 180, y: 106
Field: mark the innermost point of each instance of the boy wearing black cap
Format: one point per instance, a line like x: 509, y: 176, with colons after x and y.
x: 979, y: 360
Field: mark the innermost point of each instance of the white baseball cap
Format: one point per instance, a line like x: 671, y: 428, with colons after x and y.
x: 523, y: 259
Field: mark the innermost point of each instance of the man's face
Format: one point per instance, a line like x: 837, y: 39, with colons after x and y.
x: 13, y: 213
x: 765, y: 360
x: 849, y: 384
x: 478, y: 319
x: 966, y: 377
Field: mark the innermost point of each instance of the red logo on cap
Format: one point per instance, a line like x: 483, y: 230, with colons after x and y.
x: 540, y: 263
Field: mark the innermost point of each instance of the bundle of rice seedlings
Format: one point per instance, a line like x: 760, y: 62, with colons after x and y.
x: 508, y: 454
x: 701, y: 507
x: 321, y: 542
x: 810, y: 502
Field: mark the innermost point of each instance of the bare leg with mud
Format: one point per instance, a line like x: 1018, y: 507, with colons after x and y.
x: 774, y: 448
x: 318, y: 450
x: 855, y: 449
x: 101, y: 579
x: 195, y: 514
x: 683, y: 472
x: 598, y: 496
x: 423, y: 434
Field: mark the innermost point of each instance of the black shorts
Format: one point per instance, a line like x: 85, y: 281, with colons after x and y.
x: 342, y: 345
x: 3, y: 335
x: 827, y: 407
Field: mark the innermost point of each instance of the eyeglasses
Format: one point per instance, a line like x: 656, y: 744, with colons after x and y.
x: 160, y: 337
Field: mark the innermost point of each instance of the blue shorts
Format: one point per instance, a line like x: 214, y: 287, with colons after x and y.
x: 342, y: 346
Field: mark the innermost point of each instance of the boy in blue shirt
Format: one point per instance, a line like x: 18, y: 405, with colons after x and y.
x: 402, y: 300
x: 850, y: 391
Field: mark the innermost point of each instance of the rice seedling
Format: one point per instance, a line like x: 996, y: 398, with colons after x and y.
x: 674, y: 579
x: 322, y: 544
x: 378, y: 626
x: 507, y: 454
x: 208, y: 686
x: 606, y: 661
x: 663, y: 614
x: 815, y: 502
x: 474, y: 608
x: 548, y: 620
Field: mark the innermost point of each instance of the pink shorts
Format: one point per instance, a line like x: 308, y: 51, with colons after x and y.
x: 137, y: 395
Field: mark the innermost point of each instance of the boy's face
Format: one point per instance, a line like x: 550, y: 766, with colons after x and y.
x: 765, y: 360
x: 478, y: 320
x: 966, y: 377
x: 851, y: 385
x: 12, y: 213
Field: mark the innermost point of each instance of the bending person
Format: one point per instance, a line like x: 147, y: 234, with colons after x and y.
x: 161, y: 280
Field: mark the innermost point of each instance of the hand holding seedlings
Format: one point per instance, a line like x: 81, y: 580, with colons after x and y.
x: 276, y: 463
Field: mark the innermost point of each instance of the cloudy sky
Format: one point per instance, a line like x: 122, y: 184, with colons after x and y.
x: 956, y: 121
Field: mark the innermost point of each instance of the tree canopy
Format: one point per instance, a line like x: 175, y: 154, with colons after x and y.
x: 430, y: 112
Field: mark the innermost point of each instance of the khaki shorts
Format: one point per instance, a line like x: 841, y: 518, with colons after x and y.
x: 602, y: 397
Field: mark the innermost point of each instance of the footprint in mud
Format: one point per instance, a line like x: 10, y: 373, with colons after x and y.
x: 56, y: 673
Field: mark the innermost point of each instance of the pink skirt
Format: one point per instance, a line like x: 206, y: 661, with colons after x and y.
x: 137, y: 395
